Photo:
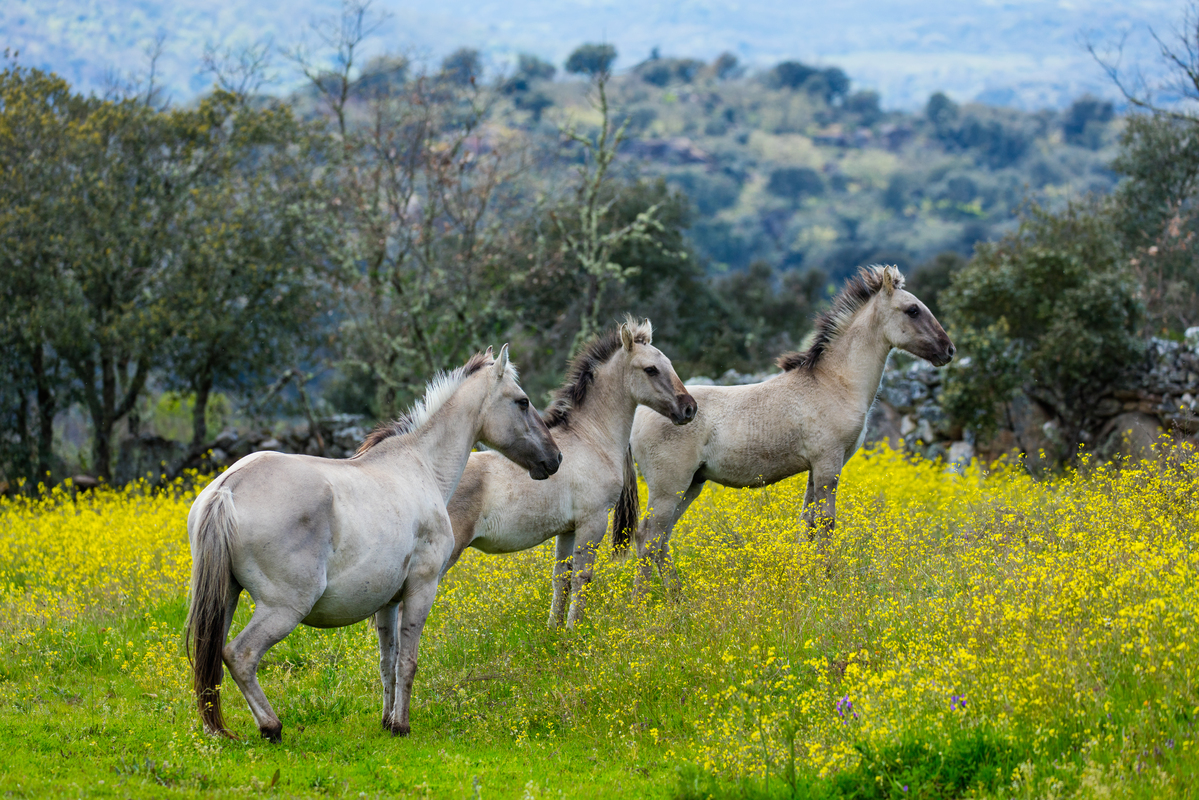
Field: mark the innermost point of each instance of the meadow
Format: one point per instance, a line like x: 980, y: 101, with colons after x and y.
x: 974, y: 634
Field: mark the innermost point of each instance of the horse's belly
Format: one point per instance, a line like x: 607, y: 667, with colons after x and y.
x: 750, y: 471
x: 354, y: 593
x: 497, y: 535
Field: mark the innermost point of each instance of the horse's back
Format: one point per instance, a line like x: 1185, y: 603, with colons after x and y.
x: 746, y: 435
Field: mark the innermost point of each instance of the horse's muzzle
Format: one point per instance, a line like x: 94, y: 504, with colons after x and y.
x: 945, y: 356
x: 546, y: 467
x: 687, y: 407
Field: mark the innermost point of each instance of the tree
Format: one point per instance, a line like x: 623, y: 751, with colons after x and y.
x: 795, y: 183
x: 37, y: 115
x: 428, y: 200
x: 1049, y: 310
x: 343, y: 35
x: 462, y: 67
x: 591, y: 59
x: 250, y: 268
x: 792, y: 74
x: 726, y: 66
x: 941, y: 111
x: 585, y: 239
x: 533, y: 68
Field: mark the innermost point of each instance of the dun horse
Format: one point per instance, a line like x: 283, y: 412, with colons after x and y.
x: 329, y: 543
x: 810, y: 418
x: 498, y: 510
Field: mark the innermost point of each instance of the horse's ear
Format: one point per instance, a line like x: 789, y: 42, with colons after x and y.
x: 626, y: 336
x: 490, y: 354
x: 501, y: 362
x: 889, y: 280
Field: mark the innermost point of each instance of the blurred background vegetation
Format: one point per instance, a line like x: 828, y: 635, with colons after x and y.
x: 250, y: 257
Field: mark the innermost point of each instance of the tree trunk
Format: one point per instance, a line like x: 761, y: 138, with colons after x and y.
x: 46, y: 406
x: 203, y: 388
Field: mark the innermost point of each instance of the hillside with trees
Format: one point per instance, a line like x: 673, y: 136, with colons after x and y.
x: 255, y: 257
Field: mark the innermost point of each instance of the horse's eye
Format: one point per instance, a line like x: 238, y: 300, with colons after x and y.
x: 523, y: 403
x: 651, y: 371
x: 913, y: 311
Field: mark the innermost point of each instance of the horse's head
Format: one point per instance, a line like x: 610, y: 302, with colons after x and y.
x: 512, y: 426
x: 650, y: 377
x: 908, y: 324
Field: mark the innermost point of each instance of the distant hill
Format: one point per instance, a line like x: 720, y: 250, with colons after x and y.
x: 1025, y: 53
x: 802, y: 177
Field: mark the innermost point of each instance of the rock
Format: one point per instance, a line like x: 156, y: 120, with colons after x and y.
x: 700, y: 380
x: 1192, y: 339
x: 269, y: 444
x: 1131, y: 436
x: 1040, y: 445
x: 218, y: 456
x: 1003, y: 444
x: 226, y: 440
x: 882, y: 424
x: 961, y: 453
x: 85, y: 482
x: 1107, y: 407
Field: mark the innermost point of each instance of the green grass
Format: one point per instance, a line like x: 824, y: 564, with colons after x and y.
x: 86, y: 727
x: 1065, y: 612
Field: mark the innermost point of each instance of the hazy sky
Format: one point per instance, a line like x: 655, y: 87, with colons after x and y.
x: 1025, y: 52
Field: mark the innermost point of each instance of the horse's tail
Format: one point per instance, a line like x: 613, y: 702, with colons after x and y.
x: 212, y: 574
x: 628, y: 507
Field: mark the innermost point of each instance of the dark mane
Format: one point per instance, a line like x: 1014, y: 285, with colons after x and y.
x: 856, y: 293
x: 581, y: 373
x: 436, y: 392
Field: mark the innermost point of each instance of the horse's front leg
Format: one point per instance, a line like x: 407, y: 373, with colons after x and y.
x: 386, y: 621
x: 821, y: 503
x: 587, y: 541
x: 563, y: 548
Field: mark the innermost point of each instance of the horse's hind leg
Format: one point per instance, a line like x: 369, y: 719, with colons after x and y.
x: 665, y: 562
x: 386, y: 624
x: 265, y: 629
x: 653, y: 535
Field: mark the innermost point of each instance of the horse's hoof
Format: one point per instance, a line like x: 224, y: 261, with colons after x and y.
x: 274, y: 734
x: 400, y: 730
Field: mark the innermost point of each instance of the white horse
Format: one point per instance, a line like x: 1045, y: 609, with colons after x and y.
x: 328, y: 542
x: 810, y: 418
x: 497, y: 509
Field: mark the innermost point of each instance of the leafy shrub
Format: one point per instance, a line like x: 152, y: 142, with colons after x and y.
x: 591, y: 59
x: 795, y: 183
x: 1049, y: 309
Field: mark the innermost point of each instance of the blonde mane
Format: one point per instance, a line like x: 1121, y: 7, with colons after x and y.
x: 437, y: 391
x: 581, y: 373
x: 832, y: 323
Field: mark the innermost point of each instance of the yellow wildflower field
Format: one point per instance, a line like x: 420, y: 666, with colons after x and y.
x: 1051, y: 620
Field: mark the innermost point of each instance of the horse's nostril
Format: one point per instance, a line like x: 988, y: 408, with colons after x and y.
x: 559, y: 457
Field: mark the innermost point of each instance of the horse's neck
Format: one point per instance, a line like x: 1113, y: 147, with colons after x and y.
x: 857, y: 357
x: 446, y: 440
x: 607, y: 414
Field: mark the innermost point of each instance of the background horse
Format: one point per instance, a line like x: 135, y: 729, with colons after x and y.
x: 812, y: 417
x: 329, y: 542
x: 497, y: 509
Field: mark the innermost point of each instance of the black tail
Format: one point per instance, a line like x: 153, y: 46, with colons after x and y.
x: 206, y: 624
x: 628, y: 507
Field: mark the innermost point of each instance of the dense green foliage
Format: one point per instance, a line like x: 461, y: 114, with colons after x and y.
x: 419, y: 216
x: 1049, y: 309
